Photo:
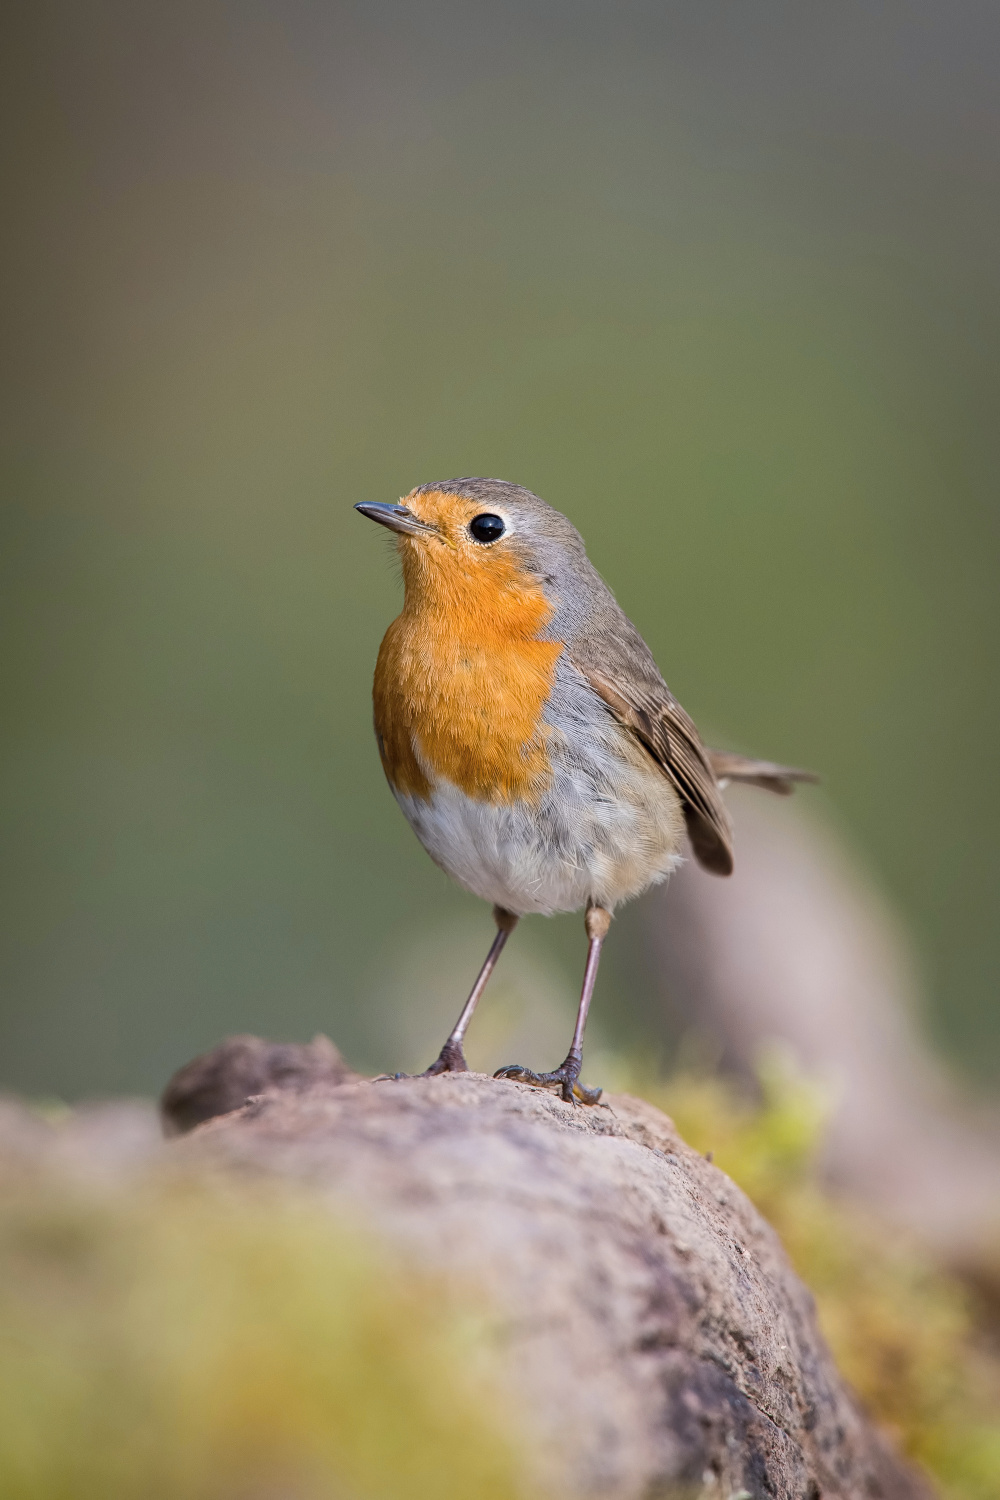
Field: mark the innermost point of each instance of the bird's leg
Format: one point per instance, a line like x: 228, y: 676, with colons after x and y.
x: 598, y: 921
x: 452, y: 1058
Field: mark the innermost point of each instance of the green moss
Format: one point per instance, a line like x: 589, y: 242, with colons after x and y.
x: 212, y: 1341
x: 902, y: 1329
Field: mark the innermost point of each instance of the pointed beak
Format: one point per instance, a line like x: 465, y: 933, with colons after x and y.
x: 397, y: 518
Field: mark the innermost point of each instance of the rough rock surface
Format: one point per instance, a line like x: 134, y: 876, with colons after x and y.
x: 223, y: 1079
x: 649, y: 1315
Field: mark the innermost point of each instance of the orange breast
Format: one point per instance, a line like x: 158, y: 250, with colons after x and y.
x: 462, y: 676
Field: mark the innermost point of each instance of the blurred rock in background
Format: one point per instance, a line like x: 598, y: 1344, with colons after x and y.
x: 800, y: 948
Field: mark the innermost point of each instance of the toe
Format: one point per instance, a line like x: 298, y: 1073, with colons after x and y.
x: 518, y: 1074
x: 585, y: 1095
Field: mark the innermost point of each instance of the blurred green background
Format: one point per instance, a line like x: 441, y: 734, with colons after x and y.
x: 721, y: 282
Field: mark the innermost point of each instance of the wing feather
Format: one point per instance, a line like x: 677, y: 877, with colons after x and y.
x: 658, y: 721
x: 611, y: 655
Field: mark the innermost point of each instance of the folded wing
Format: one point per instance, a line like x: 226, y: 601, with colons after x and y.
x: 660, y: 724
x: 645, y: 705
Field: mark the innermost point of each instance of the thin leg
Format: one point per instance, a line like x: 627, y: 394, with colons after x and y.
x: 452, y: 1058
x: 598, y: 921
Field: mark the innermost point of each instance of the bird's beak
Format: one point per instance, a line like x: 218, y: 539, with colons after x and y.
x: 398, y: 518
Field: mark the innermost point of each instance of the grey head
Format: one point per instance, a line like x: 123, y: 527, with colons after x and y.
x: 586, y: 614
x: 548, y: 545
x: 543, y: 536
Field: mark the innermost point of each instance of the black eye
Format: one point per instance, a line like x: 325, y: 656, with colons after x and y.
x: 486, y: 528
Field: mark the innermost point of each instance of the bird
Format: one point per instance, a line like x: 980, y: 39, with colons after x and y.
x: 528, y: 736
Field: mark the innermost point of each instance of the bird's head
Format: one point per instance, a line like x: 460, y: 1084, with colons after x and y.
x: 484, y: 538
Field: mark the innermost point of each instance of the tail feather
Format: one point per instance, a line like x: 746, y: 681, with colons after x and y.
x: 765, y: 773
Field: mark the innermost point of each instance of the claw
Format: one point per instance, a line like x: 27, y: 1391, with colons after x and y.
x: 564, y: 1078
x: 519, y: 1074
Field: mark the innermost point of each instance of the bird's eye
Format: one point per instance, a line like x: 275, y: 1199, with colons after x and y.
x: 485, y: 529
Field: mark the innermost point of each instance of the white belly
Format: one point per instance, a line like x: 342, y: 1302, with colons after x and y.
x: 604, y: 831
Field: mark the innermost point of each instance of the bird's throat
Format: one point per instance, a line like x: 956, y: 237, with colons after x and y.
x: 462, y: 679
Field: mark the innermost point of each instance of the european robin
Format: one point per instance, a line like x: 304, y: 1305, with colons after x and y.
x: 527, y: 734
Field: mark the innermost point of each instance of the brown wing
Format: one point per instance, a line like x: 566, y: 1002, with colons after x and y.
x: 657, y: 720
x: 765, y: 773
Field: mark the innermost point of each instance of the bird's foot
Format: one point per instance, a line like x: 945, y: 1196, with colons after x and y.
x: 451, y: 1059
x: 565, y: 1078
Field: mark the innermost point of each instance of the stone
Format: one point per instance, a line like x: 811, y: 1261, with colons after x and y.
x: 647, y: 1315
x: 242, y: 1067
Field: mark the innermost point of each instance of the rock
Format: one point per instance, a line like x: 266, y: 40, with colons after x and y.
x: 244, y: 1066
x: 648, y: 1315
x: 800, y: 945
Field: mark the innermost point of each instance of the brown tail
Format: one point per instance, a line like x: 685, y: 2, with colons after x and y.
x: 765, y: 773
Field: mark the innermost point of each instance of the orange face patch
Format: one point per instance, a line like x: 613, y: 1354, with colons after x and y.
x: 461, y: 674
